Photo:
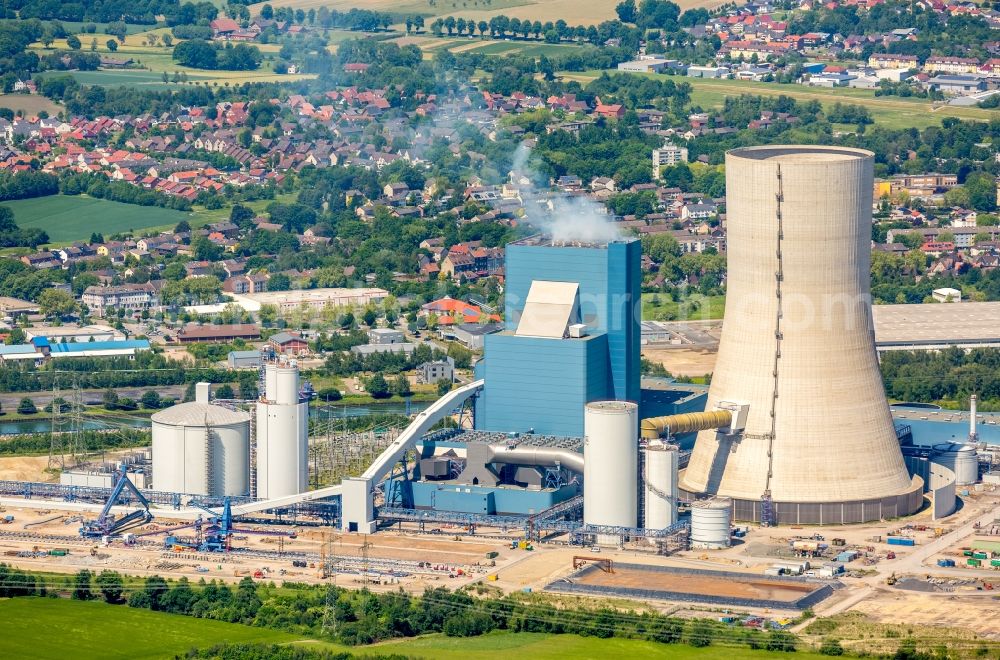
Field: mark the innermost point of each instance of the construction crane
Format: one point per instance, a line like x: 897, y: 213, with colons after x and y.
x: 215, y: 534
x: 106, y: 523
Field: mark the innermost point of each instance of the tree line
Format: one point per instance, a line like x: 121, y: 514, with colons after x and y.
x: 201, y: 54
x: 30, y: 184
x: 146, y: 369
x: 35, y: 444
x: 362, y: 617
x: 103, y: 11
x: 948, y: 377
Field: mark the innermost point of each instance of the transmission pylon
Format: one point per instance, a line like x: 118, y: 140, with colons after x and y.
x: 327, y: 562
x: 55, y: 430
x: 365, y: 547
x: 76, y: 422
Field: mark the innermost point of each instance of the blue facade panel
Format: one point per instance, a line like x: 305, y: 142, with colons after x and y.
x: 542, y: 384
x: 623, y: 317
x: 462, y: 499
x: 486, y: 500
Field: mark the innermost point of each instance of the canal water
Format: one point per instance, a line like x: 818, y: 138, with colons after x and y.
x: 140, y: 422
x: 930, y: 425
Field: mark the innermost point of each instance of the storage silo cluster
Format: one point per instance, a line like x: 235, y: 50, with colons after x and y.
x: 201, y: 449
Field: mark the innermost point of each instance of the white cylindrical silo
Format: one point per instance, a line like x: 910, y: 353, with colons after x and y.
x: 287, y: 388
x: 282, y: 435
x: 962, y: 459
x: 710, y: 523
x: 611, y: 463
x: 270, y: 382
x: 660, y: 485
x: 201, y: 449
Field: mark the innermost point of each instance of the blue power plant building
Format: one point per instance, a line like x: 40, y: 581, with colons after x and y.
x: 563, y: 346
x: 572, y: 336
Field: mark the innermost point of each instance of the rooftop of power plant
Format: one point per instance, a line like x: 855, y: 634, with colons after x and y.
x: 546, y: 240
x: 464, y: 437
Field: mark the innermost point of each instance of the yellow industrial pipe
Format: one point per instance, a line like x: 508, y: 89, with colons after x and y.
x: 652, y: 427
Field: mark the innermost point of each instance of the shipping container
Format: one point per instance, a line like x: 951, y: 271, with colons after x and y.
x: 945, y: 563
x: 974, y: 562
x: 995, y: 563
x: 899, y: 540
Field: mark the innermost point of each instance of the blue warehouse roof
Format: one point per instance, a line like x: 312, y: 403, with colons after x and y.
x: 79, y: 347
x: 16, y: 349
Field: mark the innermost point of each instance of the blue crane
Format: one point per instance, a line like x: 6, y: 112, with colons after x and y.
x: 106, y: 523
x: 216, y: 534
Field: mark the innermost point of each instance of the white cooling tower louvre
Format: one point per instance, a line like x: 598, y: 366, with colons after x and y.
x: 798, y: 345
x: 611, y: 463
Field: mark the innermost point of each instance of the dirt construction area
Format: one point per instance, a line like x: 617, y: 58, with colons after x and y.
x: 978, y: 614
x: 48, y: 540
x: 723, y: 584
x: 691, y: 362
x: 25, y: 468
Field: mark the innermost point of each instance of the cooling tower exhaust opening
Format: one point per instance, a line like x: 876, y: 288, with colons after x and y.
x: 798, y: 344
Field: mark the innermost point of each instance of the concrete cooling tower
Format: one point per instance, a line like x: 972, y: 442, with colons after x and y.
x: 819, y: 444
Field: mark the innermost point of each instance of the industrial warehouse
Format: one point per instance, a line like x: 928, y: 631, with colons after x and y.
x: 556, y: 447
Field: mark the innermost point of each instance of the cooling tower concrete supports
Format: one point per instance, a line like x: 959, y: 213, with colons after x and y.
x: 798, y: 346
x: 282, y: 434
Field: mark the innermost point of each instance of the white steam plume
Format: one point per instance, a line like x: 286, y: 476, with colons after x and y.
x: 567, y: 218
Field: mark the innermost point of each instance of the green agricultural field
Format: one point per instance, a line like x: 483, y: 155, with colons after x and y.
x: 540, y: 646
x: 887, y: 111
x: 152, y: 61
x: 528, y: 48
x: 56, y: 628
x: 574, y: 12
x: 73, y: 218
x: 43, y: 628
x: 660, y: 307
x: 126, y: 77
